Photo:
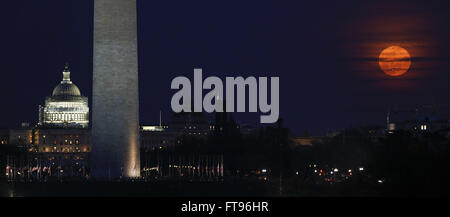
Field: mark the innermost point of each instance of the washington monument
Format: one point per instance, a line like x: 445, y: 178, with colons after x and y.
x: 115, y: 117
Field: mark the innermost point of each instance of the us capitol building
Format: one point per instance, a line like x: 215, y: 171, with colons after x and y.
x: 63, y: 125
x: 66, y: 107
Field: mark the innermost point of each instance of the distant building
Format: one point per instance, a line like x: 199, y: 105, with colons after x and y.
x: 66, y: 107
x: 189, y: 124
x: 62, y: 140
x: 21, y: 137
x: 420, y: 125
x: 153, y: 137
x: 419, y: 120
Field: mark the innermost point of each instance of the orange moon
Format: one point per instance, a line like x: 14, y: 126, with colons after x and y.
x: 394, y: 61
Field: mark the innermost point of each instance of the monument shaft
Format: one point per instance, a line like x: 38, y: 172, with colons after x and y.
x: 115, y: 117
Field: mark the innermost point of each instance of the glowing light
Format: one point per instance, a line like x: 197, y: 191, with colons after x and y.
x: 132, y: 164
x: 152, y: 128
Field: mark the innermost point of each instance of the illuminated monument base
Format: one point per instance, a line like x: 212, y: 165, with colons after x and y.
x: 115, y: 118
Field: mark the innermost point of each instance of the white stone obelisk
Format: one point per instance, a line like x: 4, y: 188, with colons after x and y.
x: 115, y: 117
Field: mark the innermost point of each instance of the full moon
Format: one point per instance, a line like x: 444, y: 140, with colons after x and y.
x: 394, y: 61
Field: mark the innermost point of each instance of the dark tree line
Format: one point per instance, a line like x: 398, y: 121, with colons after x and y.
x: 413, y: 165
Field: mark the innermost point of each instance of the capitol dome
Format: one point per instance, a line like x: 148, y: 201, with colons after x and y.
x: 66, y: 89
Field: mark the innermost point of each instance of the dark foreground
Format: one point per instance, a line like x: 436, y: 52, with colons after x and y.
x: 178, y: 189
x: 130, y: 189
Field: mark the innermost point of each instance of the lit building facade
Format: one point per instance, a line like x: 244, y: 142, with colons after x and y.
x: 153, y: 137
x: 20, y: 137
x: 62, y: 140
x: 66, y: 107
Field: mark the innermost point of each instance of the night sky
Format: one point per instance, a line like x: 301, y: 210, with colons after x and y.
x: 325, y: 54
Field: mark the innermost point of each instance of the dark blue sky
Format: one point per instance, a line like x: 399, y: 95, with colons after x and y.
x: 324, y: 53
